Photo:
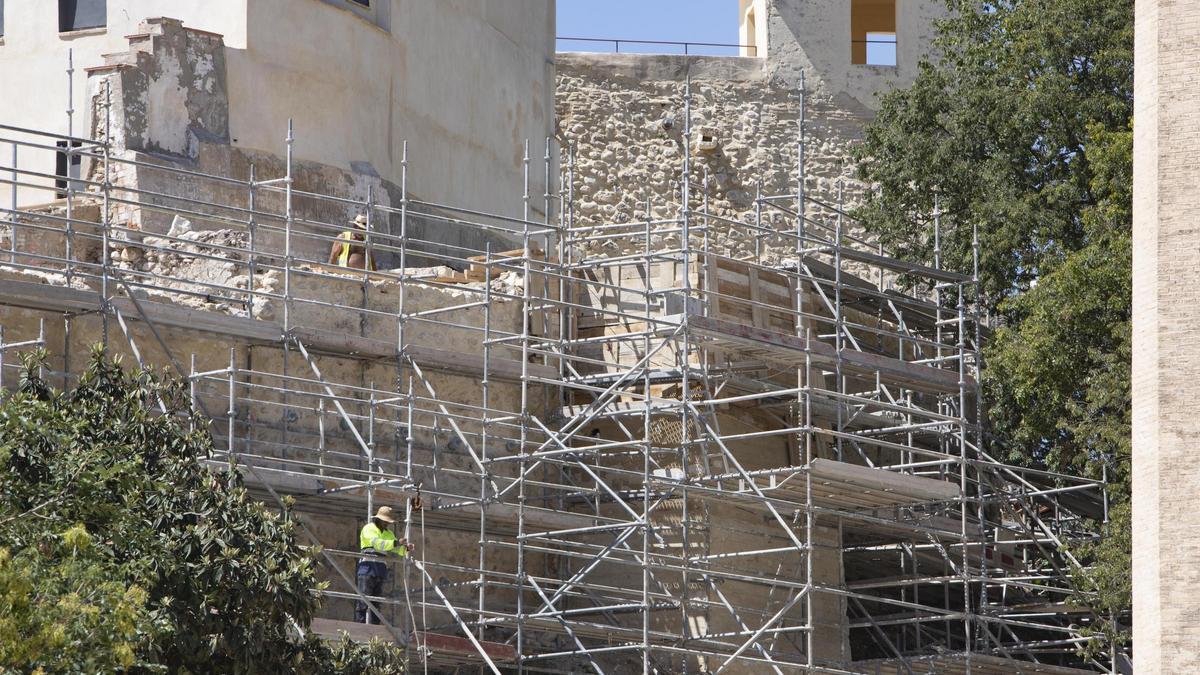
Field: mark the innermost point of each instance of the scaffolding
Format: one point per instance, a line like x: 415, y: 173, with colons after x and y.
x: 668, y: 458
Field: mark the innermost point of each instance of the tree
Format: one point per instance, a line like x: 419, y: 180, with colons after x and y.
x: 121, y: 551
x: 1020, y: 127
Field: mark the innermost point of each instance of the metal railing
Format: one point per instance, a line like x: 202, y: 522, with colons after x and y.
x: 688, y: 47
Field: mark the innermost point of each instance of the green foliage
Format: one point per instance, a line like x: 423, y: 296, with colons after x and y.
x: 121, y: 551
x: 1021, y: 128
x: 1108, y: 579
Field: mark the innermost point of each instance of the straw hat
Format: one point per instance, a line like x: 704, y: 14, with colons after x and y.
x: 385, y: 514
x: 360, y: 220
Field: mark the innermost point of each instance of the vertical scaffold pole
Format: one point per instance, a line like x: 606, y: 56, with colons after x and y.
x: 809, y: 515
x: 684, y: 359
x: 838, y: 321
x: 544, y: 264
x: 400, y: 320
x: 287, y: 236
x: 524, y: 416
x: 804, y: 383
x: 968, y: 615
x: 565, y: 215
x: 12, y: 209
x: 371, y: 464
x: 287, y: 278
x: 191, y: 390
x: 800, y: 161
x: 106, y: 217
x: 70, y: 148
x: 483, y: 441
x: 649, y: 447
x: 231, y: 412
x: 252, y: 227
x: 758, y: 226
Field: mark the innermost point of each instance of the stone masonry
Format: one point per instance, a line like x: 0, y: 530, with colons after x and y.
x: 624, y: 114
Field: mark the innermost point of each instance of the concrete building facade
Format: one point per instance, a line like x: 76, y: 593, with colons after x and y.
x: 1166, y: 346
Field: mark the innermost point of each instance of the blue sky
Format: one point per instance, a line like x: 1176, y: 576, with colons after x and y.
x: 668, y: 20
x: 671, y: 20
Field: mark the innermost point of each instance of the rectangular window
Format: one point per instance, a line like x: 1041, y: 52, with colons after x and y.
x: 81, y: 14
x: 873, y: 32
x: 364, y: 3
x: 67, y: 169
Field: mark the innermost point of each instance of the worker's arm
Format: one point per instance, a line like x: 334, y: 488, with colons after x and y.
x: 334, y: 252
x: 404, y: 548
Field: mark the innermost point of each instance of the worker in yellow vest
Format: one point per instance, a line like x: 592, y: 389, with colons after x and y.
x: 348, y: 252
x: 376, y: 541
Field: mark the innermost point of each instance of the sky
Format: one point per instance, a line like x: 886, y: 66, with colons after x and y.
x: 714, y: 21
x: 670, y: 20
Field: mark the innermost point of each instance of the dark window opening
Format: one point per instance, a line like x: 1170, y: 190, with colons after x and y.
x: 81, y: 14
x: 364, y: 3
x: 67, y: 169
x: 873, y: 32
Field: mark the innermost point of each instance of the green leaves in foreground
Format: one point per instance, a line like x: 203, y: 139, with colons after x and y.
x: 121, y: 552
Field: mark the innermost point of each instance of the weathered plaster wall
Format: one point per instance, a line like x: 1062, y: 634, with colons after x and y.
x: 814, y: 37
x: 170, y: 106
x: 1166, y: 352
x: 33, y: 62
x: 465, y: 82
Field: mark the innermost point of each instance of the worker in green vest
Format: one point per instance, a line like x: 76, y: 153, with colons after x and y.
x: 377, y: 542
x: 349, y: 251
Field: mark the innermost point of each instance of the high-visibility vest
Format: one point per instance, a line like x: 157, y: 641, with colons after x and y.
x: 347, y: 236
x: 372, y: 538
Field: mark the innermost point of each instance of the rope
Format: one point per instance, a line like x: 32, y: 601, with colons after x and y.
x: 424, y: 621
x: 423, y: 650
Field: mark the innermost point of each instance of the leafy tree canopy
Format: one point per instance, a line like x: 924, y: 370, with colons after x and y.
x: 1019, y: 126
x: 121, y: 551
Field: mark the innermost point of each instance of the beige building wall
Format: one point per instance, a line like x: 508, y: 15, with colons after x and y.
x: 1166, y: 351
x: 464, y: 82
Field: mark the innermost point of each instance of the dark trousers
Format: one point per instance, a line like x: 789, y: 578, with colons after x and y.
x: 371, y: 575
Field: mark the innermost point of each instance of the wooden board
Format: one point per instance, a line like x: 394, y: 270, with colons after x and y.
x: 790, y: 350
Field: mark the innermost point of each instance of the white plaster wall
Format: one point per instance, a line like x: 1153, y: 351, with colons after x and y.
x: 33, y: 65
x: 464, y: 81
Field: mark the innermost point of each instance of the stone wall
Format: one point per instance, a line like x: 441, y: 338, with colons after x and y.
x: 624, y: 114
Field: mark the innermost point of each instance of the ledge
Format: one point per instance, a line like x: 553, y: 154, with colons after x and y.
x: 82, y: 32
x: 664, y: 67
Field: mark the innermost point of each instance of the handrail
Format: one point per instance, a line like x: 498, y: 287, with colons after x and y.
x: 616, y: 42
